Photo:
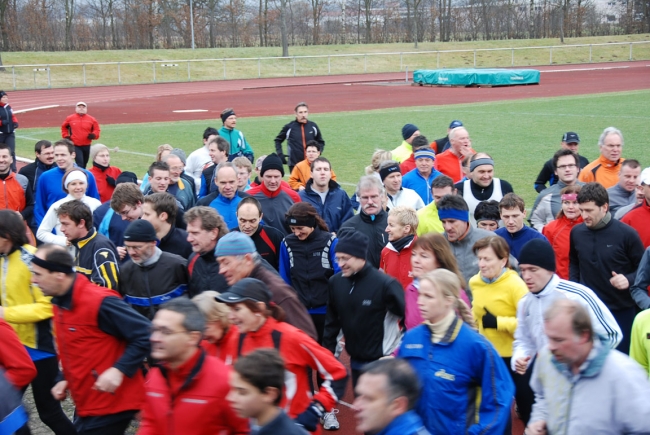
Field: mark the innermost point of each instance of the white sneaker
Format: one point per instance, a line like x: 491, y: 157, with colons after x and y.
x: 329, y: 420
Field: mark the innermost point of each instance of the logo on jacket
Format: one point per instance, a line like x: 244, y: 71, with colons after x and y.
x: 366, y: 302
x: 444, y: 375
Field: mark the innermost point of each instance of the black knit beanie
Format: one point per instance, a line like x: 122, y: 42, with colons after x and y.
x: 272, y: 161
x: 538, y: 252
x: 353, y: 243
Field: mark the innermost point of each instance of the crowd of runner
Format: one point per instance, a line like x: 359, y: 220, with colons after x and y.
x: 211, y: 296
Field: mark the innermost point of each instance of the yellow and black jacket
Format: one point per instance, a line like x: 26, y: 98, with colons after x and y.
x: 26, y: 309
x: 96, y: 257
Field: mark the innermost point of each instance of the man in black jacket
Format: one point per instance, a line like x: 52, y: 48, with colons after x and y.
x: 604, y: 255
x: 570, y: 141
x: 204, y: 229
x: 160, y: 210
x: 95, y: 255
x: 364, y: 303
x: 150, y: 277
x: 297, y: 133
x: 371, y: 219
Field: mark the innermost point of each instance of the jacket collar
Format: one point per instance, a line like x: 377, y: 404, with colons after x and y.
x: 83, y: 241
x: 369, y: 218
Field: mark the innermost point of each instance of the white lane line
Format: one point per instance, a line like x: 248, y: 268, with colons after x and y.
x: 189, y: 111
x: 584, y: 69
x: 344, y: 403
x: 31, y: 109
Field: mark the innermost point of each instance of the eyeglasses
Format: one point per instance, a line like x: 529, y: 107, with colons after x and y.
x: 135, y: 248
x: 126, y: 211
x: 567, y: 166
x: 176, y: 168
x: 165, y: 331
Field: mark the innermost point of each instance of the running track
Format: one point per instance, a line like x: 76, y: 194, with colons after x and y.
x: 267, y: 97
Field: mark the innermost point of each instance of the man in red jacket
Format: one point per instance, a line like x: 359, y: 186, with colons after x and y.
x: 81, y: 129
x: 639, y: 216
x: 102, y: 343
x: 186, y: 392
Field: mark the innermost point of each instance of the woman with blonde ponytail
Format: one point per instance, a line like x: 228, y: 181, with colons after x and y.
x: 455, y: 363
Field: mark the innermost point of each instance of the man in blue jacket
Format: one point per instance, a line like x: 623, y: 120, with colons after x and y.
x: 332, y: 203
x: 50, y: 189
x: 386, y: 394
x: 420, y: 178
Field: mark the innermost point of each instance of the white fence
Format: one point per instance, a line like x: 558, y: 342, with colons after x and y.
x: 167, y: 71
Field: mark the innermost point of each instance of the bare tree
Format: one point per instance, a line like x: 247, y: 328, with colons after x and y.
x: 283, y: 28
x: 69, y: 7
x: 316, y: 10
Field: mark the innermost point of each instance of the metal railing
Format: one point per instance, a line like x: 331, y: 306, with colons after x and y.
x: 39, y: 76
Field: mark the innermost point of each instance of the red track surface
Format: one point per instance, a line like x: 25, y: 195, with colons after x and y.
x: 264, y: 97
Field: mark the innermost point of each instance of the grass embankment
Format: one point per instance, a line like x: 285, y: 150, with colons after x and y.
x: 248, y: 65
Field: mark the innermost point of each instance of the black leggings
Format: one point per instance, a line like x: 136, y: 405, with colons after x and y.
x: 524, y: 395
x: 10, y: 141
x: 82, y: 154
x: 49, y: 409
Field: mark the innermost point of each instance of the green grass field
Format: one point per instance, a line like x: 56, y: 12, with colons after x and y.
x: 521, y: 135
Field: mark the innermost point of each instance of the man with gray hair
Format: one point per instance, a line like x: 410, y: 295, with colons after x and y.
x: 606, y: 167
x: 226, y: 198
x: 605, y: 390
x: 372, y: 219
x: 181, y: 185
x: 238, y: 259
x: 450, y: 162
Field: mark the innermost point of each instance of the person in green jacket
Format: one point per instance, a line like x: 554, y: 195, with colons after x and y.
x: 239, y: 147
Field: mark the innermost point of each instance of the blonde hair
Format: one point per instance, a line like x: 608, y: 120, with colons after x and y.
x: 377, y: 157
x: 449, y: 286
x: 161, y: 149
x: 405, y: 216
x: 212, y: 310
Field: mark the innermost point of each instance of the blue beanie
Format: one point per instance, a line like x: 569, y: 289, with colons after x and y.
x: 408, y: 130
x: 234, y: 243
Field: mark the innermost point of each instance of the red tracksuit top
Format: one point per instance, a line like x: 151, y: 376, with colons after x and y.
x: 85, y: 351
x: 175, y: 406
x: 299, y: 351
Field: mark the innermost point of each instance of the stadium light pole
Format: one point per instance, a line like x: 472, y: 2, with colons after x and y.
x: 192, y: 21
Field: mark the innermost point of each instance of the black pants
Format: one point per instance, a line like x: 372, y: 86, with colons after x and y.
x: 82, y: 154
x: 10, y: 141
x: 524, y: 396
x: 115, y: 424
x: 49, y: 409
x: 624, y: 318
x: 319, y: 324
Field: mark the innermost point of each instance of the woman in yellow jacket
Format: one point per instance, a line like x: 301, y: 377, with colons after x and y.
x: 497, y: 290
x: 28, y: 311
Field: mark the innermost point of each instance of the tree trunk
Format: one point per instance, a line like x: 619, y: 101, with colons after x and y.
x: 283, y: 28
x: 69, y: 17
x: 260, y: 23
x: 3, y: 24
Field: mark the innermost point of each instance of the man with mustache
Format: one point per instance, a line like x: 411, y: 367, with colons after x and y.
x: 371, y: 219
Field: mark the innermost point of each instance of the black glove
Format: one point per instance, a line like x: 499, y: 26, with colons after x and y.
x: 110, y: 181
x: 489, y: 320
x: 67, y: 137
x: 310, y: 417
x: 92, y: 136
x: 15, y: 125
x: 285, y: 159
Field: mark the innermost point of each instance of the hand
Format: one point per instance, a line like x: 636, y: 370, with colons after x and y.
x: 15, y: 125
x: 536, y: 428
x: 121, y: 251
x: 285, y: 159
x: 67, y: 137
x: 489, y: 320
x: 310, y: 417
x: 92, y: 136
x: 619, y: 281
x: 301, y: 188
x: 521, y: 365
x: 110, y: 181
x: 109, y: 381
x: 60, y: 390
